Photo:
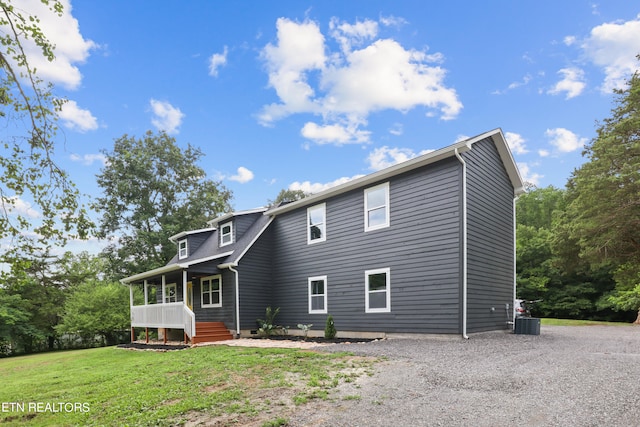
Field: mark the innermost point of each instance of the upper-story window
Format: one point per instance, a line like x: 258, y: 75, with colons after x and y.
x: 226, y: 233
x: 316, y: 224
x: 183, y: 249
x: 376, y: 207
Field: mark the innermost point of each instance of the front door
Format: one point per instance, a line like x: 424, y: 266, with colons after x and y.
x: 190, y: 295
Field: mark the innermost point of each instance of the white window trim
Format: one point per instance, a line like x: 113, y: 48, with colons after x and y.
x: 326, y: 291
x: 167, y: 294
x: 210, y: 278
x: 368, y: 273
x: 386, y: 206
x: 323, y: 207
x: 230, y: 224
x: 182, y: 255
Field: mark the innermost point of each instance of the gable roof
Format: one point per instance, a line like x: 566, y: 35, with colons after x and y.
x: 417, y: 162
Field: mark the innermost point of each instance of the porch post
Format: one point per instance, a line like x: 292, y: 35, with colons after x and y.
x: 146, y: 292
x: 164, y: 282
x: 133, y: 333
x: 184, y: 287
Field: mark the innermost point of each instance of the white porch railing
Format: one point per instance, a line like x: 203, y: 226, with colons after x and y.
x: 171, y: 315
x: 189, y: 319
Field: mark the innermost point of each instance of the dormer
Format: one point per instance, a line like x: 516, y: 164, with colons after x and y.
x: 188, y: 242
x: 232, y: 226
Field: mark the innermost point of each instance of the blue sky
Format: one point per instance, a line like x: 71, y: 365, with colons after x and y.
x: 306, y: 94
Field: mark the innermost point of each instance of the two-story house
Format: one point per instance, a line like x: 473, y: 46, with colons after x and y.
x: 425, y: 246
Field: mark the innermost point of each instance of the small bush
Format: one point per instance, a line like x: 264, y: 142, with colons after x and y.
x: 330, y: 329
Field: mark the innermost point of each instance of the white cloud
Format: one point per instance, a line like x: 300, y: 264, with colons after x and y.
x: 216, y: 61
x: 167, y: 117
x: 76, y: 118
x: 543, y: 153
x: 335, y: 134
x: 397, y: 129
x: 89, y: 159
x: 348, y: 35
x: 242, y: 176
x: 564, y: 140
x: 516, y: 142
x: 16, y: 205
x: 569, y: 40
x: 529, y: 176
x: 384, y: 157
x: 364, y: 76
x: 63, y: 31
x: 525, y: 81
x: 614, y: 46
x: 572, y: 82
x: 392, y: 21
x: 309, y: 187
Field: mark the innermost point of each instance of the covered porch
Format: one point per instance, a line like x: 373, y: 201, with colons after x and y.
x: 168, y: 306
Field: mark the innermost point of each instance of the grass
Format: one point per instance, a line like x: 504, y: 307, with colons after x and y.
x: 573, y: 322
x: 216, y: 384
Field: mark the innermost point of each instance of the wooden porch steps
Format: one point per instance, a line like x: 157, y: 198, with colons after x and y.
x: 211, y: 331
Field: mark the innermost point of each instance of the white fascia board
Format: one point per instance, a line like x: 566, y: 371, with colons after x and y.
x: 209, y: 258
x: 375, y: 177
x: 182, y: 234
x: 170, y: 268
x: 156, y: 271
x: 229, y: 215
x: 509, y: 163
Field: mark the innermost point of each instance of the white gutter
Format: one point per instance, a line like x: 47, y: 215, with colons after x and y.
x: 230, y: 266
x: 464, y: 244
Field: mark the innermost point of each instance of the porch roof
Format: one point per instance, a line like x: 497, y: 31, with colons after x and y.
x: 171, y: 268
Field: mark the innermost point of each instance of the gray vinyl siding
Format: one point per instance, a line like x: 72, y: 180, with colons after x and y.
x: 216, y: 314
x: 490, y: 239
x: 256, y: 281
x: 421, y: 247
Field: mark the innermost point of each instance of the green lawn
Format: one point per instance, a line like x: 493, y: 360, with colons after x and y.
x: 573, y: 322
x: 110, y: 386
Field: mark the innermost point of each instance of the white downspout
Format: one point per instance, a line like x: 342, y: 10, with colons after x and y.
x: 513, y: 308
x: 237, y: 299
x: 464, y: 245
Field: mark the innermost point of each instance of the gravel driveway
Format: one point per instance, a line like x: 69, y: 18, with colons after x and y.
x: 566, y: 376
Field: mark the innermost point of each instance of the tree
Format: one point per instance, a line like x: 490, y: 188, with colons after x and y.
x: 152, y: 189
x: 28, y: 172
x: 604, y: 197
x: 96, y: 308
x: 287, y: 196
x: 36, y: 289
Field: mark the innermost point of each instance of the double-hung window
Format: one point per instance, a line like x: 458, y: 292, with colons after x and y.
x: 318, y: 295
x: 376, y: 207
x: 226, y: 233
x: 211, y: 291
x: 377, y: 290
x: 170, y: 293
x: 316, y: 224
x: 183, y: 249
